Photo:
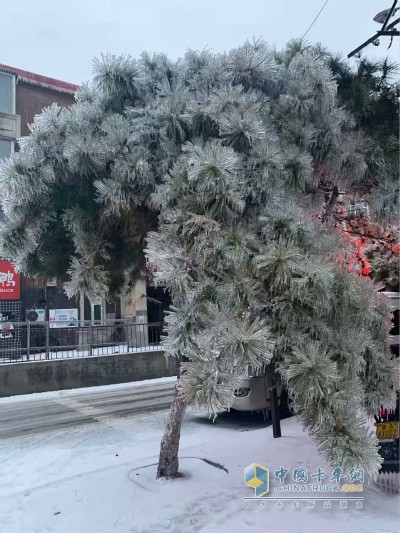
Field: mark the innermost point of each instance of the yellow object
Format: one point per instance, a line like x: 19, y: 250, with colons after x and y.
x: 387, y: 430
x: 257, y: 477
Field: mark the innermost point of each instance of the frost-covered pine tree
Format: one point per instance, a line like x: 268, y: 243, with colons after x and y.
x: 252, y: 277
x: 225, y: 150
x: 76, y: 195
x: 370, y: 91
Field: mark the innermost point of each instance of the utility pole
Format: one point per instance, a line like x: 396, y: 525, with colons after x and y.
x: 387, y: 30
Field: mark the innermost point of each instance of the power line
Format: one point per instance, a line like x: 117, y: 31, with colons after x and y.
x: 315, y: 20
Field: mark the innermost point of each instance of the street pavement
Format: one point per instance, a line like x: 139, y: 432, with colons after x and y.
x: 38, y: 413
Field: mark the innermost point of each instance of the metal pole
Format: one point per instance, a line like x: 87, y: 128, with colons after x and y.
x: 81, y: 323
x: 276, y: 421
x: 129, y: 333
x: 393, y: 33
x: 91, y: 339
x: 28, y: 339
x: 82, y: 308
x: 103, y: 311
x: 391, y: 11
x: 47, y: 339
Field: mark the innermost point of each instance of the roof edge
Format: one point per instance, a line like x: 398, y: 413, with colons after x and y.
x: 42, y: 81
x: 6, y: 70
x: 50, y: 86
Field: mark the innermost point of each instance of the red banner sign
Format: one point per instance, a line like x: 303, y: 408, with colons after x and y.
x: 10, y: 282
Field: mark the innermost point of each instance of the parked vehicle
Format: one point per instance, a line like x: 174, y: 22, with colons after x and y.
x: 254, y: 394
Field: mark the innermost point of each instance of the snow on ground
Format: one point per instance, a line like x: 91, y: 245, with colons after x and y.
x: 90, y: 479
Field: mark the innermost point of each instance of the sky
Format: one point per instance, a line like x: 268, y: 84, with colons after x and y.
x: 60, y: 38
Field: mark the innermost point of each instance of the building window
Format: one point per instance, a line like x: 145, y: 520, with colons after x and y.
x: 7, y: 93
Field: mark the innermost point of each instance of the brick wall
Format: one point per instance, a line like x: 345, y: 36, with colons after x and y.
x: 32, y: 99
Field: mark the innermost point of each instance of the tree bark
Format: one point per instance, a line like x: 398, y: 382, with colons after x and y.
x: 330, y: 204
x: 168, y: 463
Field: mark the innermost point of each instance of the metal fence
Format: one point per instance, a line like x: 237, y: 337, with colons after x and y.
x: 35, y: 341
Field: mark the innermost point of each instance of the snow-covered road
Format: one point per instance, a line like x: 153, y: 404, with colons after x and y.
x: 38, y: 413
x: 99, y: 477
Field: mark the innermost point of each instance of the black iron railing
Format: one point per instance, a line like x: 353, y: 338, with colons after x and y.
x: 35, y: 341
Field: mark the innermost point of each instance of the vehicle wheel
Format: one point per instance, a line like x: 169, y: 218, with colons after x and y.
x: 290, y: 405
x: 286, y: 405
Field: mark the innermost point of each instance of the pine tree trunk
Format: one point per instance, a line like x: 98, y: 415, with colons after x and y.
x: 168, y: 462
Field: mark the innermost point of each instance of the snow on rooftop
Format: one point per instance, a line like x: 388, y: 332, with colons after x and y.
x: 42, y: 81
